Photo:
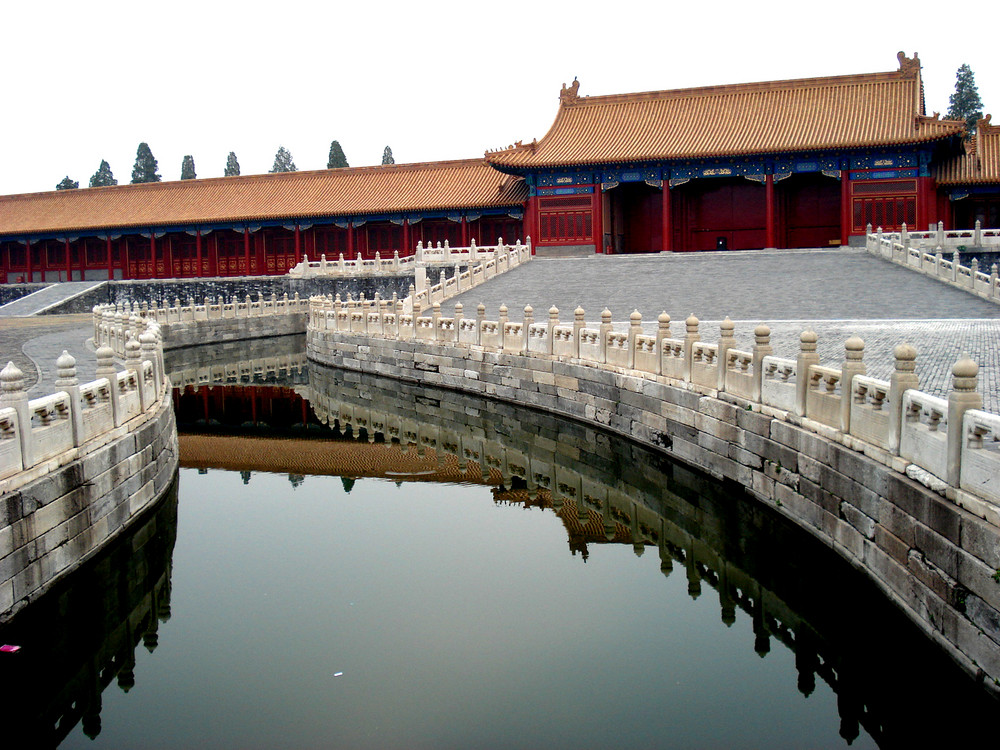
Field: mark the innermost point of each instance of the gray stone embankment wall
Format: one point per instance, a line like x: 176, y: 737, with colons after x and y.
x: 222, y: 330
x: 938, y: 562
x: 51, y: 526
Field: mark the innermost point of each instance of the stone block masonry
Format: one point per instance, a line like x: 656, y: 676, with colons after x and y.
x: 936, y: 560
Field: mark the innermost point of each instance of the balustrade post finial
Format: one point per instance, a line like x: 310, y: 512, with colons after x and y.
x: 634, y: 330
x: 761, y: 348
x: 605, y: 329
x: 13, y: 395
x: 67, y: 381
x: 690, y: 337
x: 727, y: 341
x: 579, y: 323
x: 806, y: 359
x: 854, y: 351
x: 962, y: 398
x: 550, y: 331
x: 903, y: 378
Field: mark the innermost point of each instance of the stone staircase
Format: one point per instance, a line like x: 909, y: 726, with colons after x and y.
x: 38, y: 302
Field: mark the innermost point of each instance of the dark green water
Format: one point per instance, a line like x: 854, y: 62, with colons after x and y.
x: 268, y: 610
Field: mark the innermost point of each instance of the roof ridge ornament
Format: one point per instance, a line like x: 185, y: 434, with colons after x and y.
x: 568, y: 96
x: 908, y: 66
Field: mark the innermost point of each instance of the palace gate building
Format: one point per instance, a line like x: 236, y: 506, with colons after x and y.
x: 780, y: 164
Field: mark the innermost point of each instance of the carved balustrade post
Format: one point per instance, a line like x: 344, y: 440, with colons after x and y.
x: 579, y: 323
x: 529, y: 320
x: 727, y: 341
x: 550, y: 333
x: 903, y: 378
x: 634, y: 330
x: 502, y: 323
x: 67, y: 381
x: 761, y: 348
x: 436, y: 320
x: 977, y: 234
x: 133, y: 361
x: 148, y: 350
x: 106, y: 369
x: 605, y: 329
x: 806, y: 359
x: 690, y: 338
x: 940, y: 233
x: 854, y: 351
x: 956, y: 260
x: 662, y: 332
x: 13, y: 395
x: 480, y: 317
x: 459, y: 313
x: 904, y: 237
x: 963, y: 396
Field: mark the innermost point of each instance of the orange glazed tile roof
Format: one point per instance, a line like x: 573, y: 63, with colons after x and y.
x: 869, y: 110
x: 394, y: 188
x: 979, y: 164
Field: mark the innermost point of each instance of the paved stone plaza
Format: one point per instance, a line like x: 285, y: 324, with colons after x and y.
x: 837, y: 293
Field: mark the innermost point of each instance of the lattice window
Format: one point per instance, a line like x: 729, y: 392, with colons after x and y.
x: 573, y: 202
x: 884, y: 187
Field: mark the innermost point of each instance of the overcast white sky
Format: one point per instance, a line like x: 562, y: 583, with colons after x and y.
x: 434, y: 80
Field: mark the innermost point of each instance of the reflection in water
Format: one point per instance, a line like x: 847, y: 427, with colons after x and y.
x: 604, y: 491
x: 82, y: 636
x: 253, y: 585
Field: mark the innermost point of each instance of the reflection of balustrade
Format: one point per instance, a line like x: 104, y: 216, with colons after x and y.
x: 118, y: 602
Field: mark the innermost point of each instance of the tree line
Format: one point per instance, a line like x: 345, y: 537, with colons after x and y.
x: 146, y: 167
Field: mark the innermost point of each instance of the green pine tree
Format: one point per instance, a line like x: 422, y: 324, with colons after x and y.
x: 67, y: 184
x: 283, y: 161
x: 965, y: 103
x: 187, y: 168
x: 387, y: 156
x: 232, y: 166
x: 336, y: 158
x: 103, y: 176
x: 145, y: 166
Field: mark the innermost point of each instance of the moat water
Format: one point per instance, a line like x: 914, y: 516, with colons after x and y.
x: 353, y: 562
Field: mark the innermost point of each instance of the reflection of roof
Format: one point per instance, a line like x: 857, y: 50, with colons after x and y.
x: 325, y: 457
x: 869, y: 110
x: 468, y: 183
x: 979, y: 164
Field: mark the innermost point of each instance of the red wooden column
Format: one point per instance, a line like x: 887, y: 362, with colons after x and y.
x: 168, y: 258
x: 668, y: 230
x: 111, y: 268
x: 246, y: 248
x: 845, y: 206
x: 350, y: 238
x: 298, y: 245
x: 27, y: 260
x: 769, y: 198
x: 406, y: 237
x: 926, y: 211
x: 152, y: 253
x: 465, y: 231
x: 597, y: 207
x: 69, y: 262
x: 197, y: 253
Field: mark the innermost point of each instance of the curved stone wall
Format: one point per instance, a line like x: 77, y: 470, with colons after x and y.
x: 79, y: 467
x: 937, y: 561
